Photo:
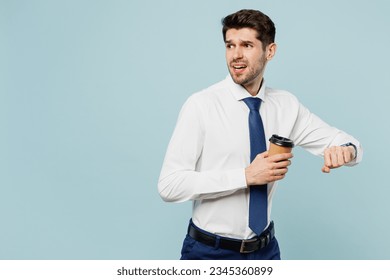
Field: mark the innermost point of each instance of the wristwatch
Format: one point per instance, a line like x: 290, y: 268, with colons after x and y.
x: 350, y: 144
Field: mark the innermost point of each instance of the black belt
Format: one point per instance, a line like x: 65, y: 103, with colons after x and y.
x: 242, y: 246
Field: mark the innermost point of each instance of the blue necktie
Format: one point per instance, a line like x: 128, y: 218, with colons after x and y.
x: 258, y: 197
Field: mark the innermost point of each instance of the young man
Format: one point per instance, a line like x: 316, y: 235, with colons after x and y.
x: 217, y: 155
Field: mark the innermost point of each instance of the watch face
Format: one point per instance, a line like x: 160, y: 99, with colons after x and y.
x: 347, y: 144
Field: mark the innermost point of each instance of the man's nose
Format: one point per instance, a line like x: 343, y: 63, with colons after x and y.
x: 237, y: 53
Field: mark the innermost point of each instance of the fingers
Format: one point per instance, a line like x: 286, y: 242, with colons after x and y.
x: 265, y: 169
x: 279, y: 164
x: 349, y: 153
x: 280, y: 157
x: 273, y: 175
x: 279, y: 174
x: 278, y: 170
x: 275, y: 158
x: 325, y: 169
x: 335, y: 157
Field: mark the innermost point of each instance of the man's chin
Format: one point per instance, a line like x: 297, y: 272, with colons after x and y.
x: 238, y: 79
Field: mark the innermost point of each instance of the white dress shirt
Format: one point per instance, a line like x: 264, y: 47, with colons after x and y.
x: 209, y: 150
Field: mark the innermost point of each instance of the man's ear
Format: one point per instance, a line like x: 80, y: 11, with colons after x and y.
x: 270, y: 51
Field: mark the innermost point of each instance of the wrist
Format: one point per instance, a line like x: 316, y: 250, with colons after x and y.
x: 248, y: 177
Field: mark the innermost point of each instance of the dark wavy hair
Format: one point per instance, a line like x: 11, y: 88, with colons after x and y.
x: 252, y: 19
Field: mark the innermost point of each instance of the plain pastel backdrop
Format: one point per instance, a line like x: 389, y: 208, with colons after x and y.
x: 89, y: 95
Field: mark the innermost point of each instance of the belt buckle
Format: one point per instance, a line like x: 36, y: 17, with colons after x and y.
x: 267, y: 239
x: 264, y: 240
x: 243, y: 245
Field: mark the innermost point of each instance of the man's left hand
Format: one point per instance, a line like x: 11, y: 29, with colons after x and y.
x: 337, y: 156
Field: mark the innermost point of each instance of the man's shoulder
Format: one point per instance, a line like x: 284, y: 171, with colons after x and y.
x: 210, y: 93
x: 280, y: 94
x: 200, y: 102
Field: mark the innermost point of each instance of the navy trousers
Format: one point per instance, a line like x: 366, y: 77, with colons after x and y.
x: 195, y: 250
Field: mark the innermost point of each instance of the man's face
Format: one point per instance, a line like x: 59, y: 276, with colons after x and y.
x: 245, y: 56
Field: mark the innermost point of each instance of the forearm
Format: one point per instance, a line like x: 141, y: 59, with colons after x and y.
x: 183, y: 185
x: 314, y: 135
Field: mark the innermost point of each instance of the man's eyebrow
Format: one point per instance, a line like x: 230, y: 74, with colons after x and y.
x: 241, y: 42
x: 247, y: 42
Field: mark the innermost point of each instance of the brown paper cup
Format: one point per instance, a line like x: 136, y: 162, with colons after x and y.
x: 279, y: 145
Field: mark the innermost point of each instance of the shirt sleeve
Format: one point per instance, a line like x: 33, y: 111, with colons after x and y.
x: 179, y: 179
x: 314, y: 135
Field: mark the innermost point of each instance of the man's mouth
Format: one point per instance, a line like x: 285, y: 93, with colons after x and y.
x: 238, y: 67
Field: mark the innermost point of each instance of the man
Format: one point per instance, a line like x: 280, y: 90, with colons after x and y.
x: 213, y: 158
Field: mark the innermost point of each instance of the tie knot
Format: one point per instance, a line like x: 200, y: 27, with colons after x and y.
x: 252, y: 103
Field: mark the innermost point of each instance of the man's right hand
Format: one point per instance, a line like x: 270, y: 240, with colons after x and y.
x: 265, y: 169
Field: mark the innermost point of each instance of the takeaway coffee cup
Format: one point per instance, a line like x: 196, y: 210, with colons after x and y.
x: 279, y: 145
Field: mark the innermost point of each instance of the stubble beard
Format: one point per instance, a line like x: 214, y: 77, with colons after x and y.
x: 245, y: 79
x: 253, y: 73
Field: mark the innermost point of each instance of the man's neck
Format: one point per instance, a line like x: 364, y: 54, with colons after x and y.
x: 254, y: 87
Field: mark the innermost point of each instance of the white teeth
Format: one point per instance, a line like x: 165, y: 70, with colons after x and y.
x: 239, y: 67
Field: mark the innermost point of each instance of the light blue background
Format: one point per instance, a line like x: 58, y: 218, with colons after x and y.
x: 89, y: 96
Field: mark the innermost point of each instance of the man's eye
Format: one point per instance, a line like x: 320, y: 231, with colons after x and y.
x: 248, y: 46
x: 229, y: 46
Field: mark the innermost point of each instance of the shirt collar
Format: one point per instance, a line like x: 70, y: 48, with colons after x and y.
x: 239, y: 92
